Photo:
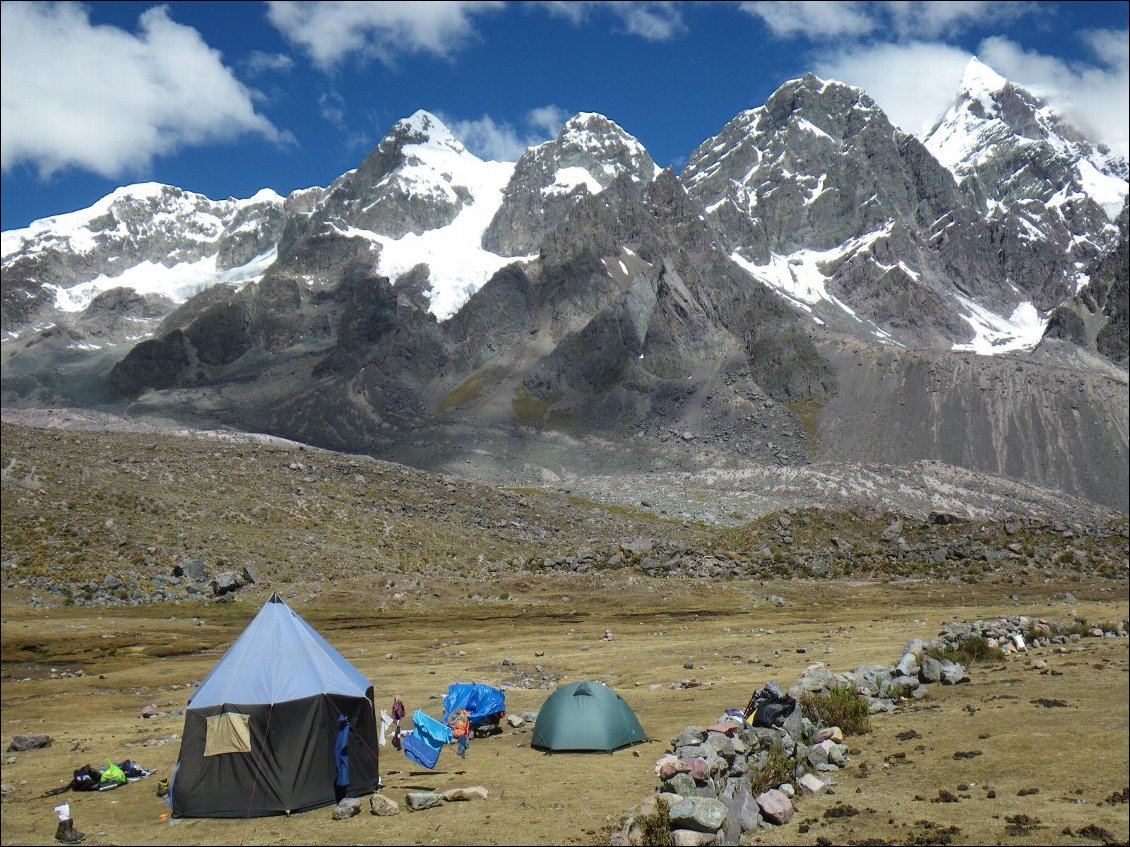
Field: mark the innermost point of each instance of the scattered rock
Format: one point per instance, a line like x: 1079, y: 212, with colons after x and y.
x: 383, y: 806
x: 22, y: 743
x: 347, y: 808
x: 417, y: 801
x: 456, y: 795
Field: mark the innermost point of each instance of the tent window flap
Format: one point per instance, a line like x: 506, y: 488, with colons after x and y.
x: 228, y: 732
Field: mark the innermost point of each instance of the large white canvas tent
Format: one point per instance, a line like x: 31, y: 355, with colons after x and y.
x: 263, y: 733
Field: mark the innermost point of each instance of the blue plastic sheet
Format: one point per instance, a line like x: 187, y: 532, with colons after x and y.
x: 482, y: 702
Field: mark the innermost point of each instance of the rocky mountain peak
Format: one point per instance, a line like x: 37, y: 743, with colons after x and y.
x: 587, y: 156
x: 1006, y: 146
x: 423, y: 129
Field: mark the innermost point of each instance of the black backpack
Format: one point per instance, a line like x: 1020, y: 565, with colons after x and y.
x: 86, y: 778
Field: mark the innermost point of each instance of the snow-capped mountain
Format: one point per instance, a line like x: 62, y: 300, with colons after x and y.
x: 157, y: 240
x: 419, y: 198
x: 820, y: 197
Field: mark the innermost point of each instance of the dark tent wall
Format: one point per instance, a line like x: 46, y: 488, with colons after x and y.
x: 290, y: 767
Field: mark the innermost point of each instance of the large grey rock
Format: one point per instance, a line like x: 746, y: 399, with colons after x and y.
x: 953, y: 673
x: 23, y: 743
x: 419, y: 800
x: 347, y: 808
x: 741, y: 808
x: 931, y: 670
x: 691, y: 838
x: 699, y: 813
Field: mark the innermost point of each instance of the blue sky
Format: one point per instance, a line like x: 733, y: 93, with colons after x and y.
x: 227, y: 98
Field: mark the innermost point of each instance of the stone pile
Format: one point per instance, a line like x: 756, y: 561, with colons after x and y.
x: 714, y: 781
x: 709, y: 777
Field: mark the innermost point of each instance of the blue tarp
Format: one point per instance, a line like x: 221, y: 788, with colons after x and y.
x: 419, y: 750
x: 482, y: 702
x: 425, y: 742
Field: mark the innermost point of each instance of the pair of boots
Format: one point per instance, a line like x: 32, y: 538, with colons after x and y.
x: 67, y: 832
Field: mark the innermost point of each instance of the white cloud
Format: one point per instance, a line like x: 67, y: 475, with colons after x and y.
x: 500, y: 141
x: 259, y: 63
x: 333, y: 30
x: 913, y: 83
x: 549, y: 119
x: 813, y: 18
x: 1095, y: 97
x: 109, y: 101
x: 820, y: 19
x: 652, y: 21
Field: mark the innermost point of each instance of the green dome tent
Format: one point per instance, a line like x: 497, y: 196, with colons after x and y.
x: 586, y: 716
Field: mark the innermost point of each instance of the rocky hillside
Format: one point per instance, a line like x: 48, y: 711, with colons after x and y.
x: 110, y: 516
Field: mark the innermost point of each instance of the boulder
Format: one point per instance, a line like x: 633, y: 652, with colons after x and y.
x: 383, y: 806
x: 474, y: 792
x: 775, y: 806
x: 22, y: 743
x: 930, y: 670
x: 691, y: 838
x: 703, y: 814
x: 741, y: 808
x: 347, y: 808
x: 419, y: 800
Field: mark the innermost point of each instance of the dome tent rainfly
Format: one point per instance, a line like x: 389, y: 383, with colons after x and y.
x: 586, y: 716
x: 261, y: 732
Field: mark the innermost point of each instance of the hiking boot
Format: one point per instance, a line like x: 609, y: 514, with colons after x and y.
x: 67, y: 832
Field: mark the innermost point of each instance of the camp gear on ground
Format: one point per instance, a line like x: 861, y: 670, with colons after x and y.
x: 584, y: 716
x: 769, y: 707
x: 273, y: 703
x: 485, y: 704
x: 112, y: 774
x: 90, y: 778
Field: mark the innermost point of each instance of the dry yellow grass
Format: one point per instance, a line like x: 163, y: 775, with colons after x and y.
x: 1077, y: 756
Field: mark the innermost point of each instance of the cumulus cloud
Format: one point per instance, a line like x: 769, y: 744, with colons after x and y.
x: 333, y: 30
x: 652, y: 21
x: 548, y: 119
x: 813, y: 18
x: 916, y: 82
x: 816, y: 20
x: 500, y: 141
x: 1093, y: 96
x: 913, y: 83
x: 109, y: 101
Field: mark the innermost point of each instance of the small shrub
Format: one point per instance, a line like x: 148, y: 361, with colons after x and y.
x: 779, y: 769
x: 969, y: 651
x: 655, y: 829
x: 843, y: 707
